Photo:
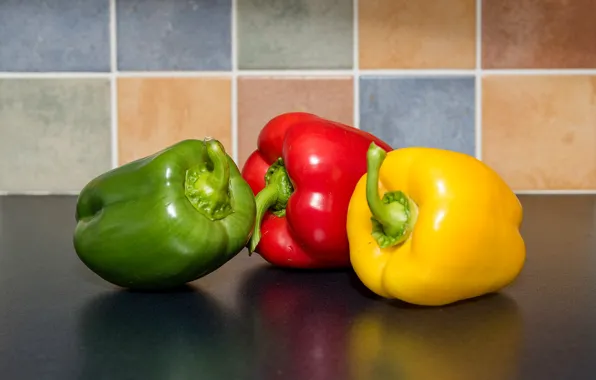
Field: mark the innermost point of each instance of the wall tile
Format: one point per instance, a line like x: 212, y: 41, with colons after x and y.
x: 300, y: 34
x: 154, y: 113
x: 55, y: 133
x: 58, y: 35
x: 433, y: 111
x: 261, y: 99
x: 422, y: 34
x: 539, y: 34
x: 174, y: 35
x: 540, y: 132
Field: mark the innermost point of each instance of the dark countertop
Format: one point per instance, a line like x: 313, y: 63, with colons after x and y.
x: 249, y: 321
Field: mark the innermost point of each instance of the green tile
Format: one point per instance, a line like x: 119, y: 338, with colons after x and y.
x: 55, y: 133
x: 297, y: 34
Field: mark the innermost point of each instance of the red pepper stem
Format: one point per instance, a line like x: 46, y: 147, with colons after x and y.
x: 395, y: 214
x: 273, y: 197
x: 265, y: 199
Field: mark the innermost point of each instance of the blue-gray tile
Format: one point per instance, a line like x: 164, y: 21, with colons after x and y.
x: 174, y: 35
x: 55, y: 133
x: 57, y: 35
x: 433, y: 112
x: 296, y: 34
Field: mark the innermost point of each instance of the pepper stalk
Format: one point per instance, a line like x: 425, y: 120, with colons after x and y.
x: 274, y: 196
x: 394, y: 215
x: 207, y: 186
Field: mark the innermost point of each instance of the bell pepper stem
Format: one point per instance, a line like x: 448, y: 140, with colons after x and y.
x: 394, y: 215
x: 220, y: 175
x: 265, y: 199
x: 274, y: 197
x: 207, y: 186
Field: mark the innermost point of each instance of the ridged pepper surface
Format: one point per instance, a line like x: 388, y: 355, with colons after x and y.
x: 446, y: 228
x: 303, y: 174
x: 166, y: 219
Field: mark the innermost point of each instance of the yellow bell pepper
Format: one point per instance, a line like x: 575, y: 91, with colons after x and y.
x: 445, y: 230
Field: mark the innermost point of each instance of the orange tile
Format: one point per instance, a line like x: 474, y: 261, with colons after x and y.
x: 538, y: 34
x: 539, y: 132
x: 419, y: 34
x: 260, y: 99
x: 154, y: 113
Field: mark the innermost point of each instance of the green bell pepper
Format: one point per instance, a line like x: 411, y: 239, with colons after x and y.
x: 165, y: 220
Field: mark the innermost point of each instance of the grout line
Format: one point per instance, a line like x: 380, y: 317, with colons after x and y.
x: 113, y: 84
x: 555, y: 192
x: 418, y: 72
x: 234, y: 100
x: 173, y: 74
x: 297, y: 73
x: 478, y: 82
x: 56, y: 75
x: 113, y: 39
x: 542, y: 72
x: 356, y: 66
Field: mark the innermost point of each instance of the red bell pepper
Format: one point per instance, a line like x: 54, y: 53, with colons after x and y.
x: 303, y: 175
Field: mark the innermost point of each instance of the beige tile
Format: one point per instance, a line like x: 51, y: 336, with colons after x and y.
x: 154, y: 113
x: 261, y: 99
x: 419, y: 34
x: 539, y: 132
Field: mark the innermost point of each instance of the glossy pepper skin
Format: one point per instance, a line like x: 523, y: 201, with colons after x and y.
x: 446, y: 229
x: 303, y: 174
x: 166, y: 219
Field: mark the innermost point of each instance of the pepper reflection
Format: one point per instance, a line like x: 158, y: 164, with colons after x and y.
x: 479, y: 339
x: 181, y: 335
x: 300, y: 323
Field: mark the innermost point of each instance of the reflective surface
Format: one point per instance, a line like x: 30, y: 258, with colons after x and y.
x: 250, y: 321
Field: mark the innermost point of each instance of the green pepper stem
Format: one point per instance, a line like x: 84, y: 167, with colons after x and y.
x: 220, y: 175
x: 274, y: 196
x: 207, y: 185
x: 395, y: 214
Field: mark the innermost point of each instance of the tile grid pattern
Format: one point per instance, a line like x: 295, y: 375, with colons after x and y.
x: 234, y: 58
x: 114, y: 83
x: 356, y: 66
x: 357, y: 74
x: 478, y: 82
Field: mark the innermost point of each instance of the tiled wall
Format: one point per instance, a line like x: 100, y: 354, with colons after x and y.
x: 86, y: 85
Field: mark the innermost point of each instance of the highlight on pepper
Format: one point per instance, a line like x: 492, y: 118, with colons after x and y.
x: 431, y: 227
x: 303, y: 173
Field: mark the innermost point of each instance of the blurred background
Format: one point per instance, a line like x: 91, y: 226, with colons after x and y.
x: 87, y: 85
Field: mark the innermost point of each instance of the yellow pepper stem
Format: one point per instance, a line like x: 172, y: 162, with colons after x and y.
x: 395, y: 214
